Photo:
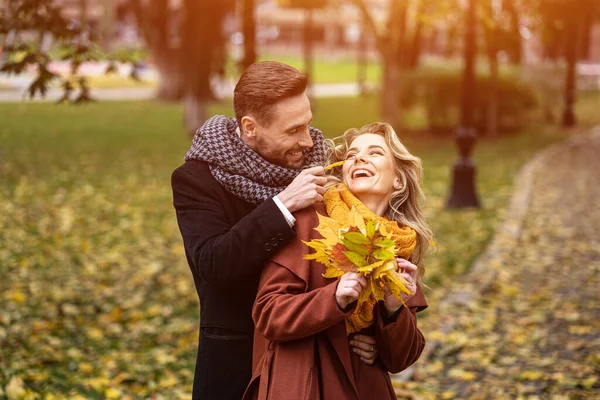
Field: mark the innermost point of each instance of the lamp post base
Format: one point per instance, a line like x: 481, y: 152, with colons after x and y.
x: 463, y: 193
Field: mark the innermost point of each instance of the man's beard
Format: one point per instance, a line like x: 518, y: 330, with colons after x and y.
x: 262, y: 148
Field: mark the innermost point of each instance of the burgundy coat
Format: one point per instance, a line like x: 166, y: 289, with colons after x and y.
x: 301, y: 348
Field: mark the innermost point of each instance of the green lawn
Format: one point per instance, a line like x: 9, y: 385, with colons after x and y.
x: 96, y: 298
x: 338, y: 71
x: 114, y: 81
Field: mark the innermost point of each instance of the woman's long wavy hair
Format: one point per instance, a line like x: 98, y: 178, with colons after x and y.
x: 404, y: 205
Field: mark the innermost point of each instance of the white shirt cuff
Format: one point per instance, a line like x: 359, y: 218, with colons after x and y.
x: 286, y: 213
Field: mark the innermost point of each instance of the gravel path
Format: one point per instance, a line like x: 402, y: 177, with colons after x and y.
x: 535, y: 333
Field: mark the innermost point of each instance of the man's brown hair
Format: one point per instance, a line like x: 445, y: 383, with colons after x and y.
x: 261, y: 86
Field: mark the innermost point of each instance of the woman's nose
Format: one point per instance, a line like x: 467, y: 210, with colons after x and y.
x: 360, y: 157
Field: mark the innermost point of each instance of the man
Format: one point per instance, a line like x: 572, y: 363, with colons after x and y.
x: 234, y: 197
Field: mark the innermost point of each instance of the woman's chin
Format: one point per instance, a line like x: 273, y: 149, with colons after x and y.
x: 360, y: 187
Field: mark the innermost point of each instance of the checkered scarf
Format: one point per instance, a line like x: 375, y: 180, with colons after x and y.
x: 238, y: 168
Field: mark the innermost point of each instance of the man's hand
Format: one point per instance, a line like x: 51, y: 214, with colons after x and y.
x: 305, y: 190
x: 364, y: 347
x: 349, y: 288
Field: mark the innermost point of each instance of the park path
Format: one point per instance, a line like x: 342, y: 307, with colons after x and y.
x: 534, y: 332
x: 18, y: 92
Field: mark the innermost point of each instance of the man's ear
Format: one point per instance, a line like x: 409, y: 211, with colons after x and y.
x: 248, y: 126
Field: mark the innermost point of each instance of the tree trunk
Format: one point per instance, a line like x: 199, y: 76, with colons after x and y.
x: 106, y: 21
x: 308, y: 49
x: 569, y: 119
x: 171, y: 79
x: 469, y: 54
x: 516, y: 50
x: 417, y: 39
x: 390, y: 102
x: 492, y: 36
x: 492, y: 110
x: 417, y: 46
x: 361, y: 59
x: 83, y: 13
x: 202, y: 46
x: 249, y: 30
x: 586, y: 39
x: 194, y: 113
x: 400, y: 20
x: 389, y: 46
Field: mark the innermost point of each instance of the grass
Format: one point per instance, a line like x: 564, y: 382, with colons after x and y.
x: 117, y: 81
x: 96, y: 298
x: 336, y: 71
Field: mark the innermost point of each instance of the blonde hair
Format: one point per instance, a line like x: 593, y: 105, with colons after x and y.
x: 404, y: 204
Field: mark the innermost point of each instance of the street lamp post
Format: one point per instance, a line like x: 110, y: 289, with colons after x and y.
x: 569, y: 119
x: 463, y: 192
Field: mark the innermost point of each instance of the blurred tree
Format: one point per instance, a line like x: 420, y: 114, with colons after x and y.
x: 204, y: 54
x: 411, y: 61
x: 492, y: 17
x: 187, y: 44
x: 307, y: 32
x: 34, y: 32
x: 388, y: 42
x: 249, y: 31
x: 565, y: 27
x: 107, y: 23
x: 158, y: 24
x: 514, y: 47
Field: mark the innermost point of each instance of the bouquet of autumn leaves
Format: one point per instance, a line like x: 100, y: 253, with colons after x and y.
x: 356, y: 239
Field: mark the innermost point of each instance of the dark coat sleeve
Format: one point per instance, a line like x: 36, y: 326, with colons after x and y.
x: 399, y: 340
x: 218, y: 250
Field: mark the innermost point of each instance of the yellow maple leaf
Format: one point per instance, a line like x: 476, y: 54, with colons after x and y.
x: 328, y: 228
x: 367, y: 269
x: 357, y: 220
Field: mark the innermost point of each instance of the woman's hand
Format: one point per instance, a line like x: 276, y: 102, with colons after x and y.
x: 364, y: 347
x: 348, y: 289
x: 408, y: 271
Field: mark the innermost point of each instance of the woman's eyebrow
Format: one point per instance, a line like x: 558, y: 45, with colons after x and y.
x: 373, y: 146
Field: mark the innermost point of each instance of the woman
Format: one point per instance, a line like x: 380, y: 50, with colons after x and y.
x: 301, y: 346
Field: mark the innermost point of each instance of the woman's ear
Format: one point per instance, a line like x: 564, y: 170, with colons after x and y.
x: 248, y: 126
x: 397, y: 184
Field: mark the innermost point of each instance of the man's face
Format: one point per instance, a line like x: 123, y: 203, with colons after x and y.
x: 283, y: 142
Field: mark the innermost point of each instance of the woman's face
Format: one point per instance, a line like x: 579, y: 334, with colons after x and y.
x: 369, y: 167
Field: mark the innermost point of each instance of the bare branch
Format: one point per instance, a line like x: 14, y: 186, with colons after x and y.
x: 379, y: 38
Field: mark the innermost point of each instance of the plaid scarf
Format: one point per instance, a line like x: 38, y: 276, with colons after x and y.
x: 239, y: 169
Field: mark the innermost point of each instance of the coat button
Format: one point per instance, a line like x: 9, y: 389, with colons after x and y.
x: 268, y: 247
x: 280, y: 237
x: 274, y: 242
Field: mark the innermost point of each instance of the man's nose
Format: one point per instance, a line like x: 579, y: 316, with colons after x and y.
x: 306, y: 140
